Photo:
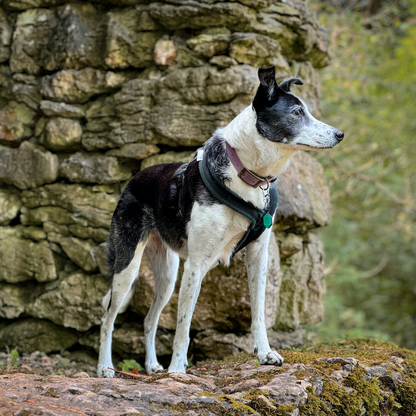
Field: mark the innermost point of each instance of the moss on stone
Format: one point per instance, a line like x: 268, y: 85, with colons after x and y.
x: 253, y: 394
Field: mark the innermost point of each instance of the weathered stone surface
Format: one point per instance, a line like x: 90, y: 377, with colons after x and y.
x: 81, y: 252
x: 22, y: 259
x: 303, y: 195
x: 73, y: 301
x: 168, y: 157
x: 28, y: 166
x: 130, y: 38
x: 16, y: 123
x: 26, y: 89
x: 5, y: 37
x: 236, y: 386
x: 181, y: 113
x: 217, y: 345
x: 302, y: 290
x: 9, y: 205
x: 70, y: 36
x: 223, y: 61
x: 58, y: 202
x: 94, y: 168
x: 31, y: 4
x: 134, y: 151
x: 202, y: 15
x: 72, y: 86
x: 61, y: 134
x: 51, y: 108
x: 13, y: 300
x: 210, y: 42
x: 191, y: 119
x: 165, y: 52
x: 129, y: 340
x: 34, y: 335
x: 32, y: 232
x: 224, y: 301
x: 259, y: 51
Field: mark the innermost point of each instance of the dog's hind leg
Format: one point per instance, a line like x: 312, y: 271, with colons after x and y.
x: 120, y: 288
x: 165, y: 264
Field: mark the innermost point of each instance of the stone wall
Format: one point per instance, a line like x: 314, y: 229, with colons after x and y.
x: 93, y: 92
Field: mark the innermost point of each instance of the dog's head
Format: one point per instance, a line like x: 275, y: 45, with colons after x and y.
x: 284, y: 118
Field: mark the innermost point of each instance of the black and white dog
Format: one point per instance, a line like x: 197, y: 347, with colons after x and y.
x: 168, y: 212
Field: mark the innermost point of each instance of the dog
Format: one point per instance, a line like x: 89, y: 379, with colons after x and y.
x: 172, y: 210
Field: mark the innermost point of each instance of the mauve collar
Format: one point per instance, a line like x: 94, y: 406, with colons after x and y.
x: 248, y: 176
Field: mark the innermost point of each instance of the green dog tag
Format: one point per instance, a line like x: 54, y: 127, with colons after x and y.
x: 267, y: 220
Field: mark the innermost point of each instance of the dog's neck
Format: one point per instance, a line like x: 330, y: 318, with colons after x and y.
x: 258, y: 154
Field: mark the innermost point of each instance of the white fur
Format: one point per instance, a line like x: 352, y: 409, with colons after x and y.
x: 315, y: 134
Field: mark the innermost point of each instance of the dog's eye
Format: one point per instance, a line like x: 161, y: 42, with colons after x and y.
x: 297, y: 112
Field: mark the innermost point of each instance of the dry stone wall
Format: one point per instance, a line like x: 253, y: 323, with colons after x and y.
x: 91, y: 93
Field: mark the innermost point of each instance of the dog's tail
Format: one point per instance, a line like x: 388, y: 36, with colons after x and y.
x: 106, y: 299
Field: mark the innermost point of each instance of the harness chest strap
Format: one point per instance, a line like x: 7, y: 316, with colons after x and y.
x: 225, y: 195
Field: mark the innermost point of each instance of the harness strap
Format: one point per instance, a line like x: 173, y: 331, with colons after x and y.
x: 225, y: 195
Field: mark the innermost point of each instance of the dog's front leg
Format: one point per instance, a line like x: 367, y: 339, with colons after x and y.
x: 256, y: 263
x: 206, y: 240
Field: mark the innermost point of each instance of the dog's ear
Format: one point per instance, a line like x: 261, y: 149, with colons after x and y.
x: 287, y: 83
x: 267, y: 94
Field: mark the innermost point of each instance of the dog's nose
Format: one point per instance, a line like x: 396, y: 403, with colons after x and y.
x: 339, y: 135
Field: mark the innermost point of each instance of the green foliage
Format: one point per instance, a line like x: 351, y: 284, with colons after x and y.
x: 369, y: 92
x: 14, y: 356
x: 128, y: 365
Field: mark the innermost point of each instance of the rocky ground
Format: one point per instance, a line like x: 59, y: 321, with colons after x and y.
x: 350, y: 378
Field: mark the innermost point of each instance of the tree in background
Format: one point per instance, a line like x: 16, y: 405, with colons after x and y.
x: 369, y: 91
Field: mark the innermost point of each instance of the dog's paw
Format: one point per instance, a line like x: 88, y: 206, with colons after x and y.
x: 270, y: 358
x: 103, y: 371
x: 153, y: 369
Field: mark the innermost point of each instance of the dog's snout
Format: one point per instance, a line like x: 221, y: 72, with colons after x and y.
x: 339, y: 135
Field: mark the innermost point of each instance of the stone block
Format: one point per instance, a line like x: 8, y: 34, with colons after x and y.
x: 70, y: 36
x: 5, y: 37
x: 259, y: 51
x: 210, y: 42
x: 81, y: 252
x: 303, y: 195
x: 134, y: 151
x: 56, y: 201
x: 94, y: 168
x: 31, y: 335
x: 61, y: 134
x: 51, y: 108
x: 302, y: 290
x: 73, y: 301
x: 16, y: 123
x: 9, y: 205
x: 13, y: 300
x: 168, y: 157
x: 22, y: 259
x: 131, y: 38
x: 28, y: 166
x: 78, y: 86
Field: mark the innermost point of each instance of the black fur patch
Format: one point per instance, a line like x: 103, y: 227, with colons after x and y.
x: 150, y: 203
x: 275, y: 106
